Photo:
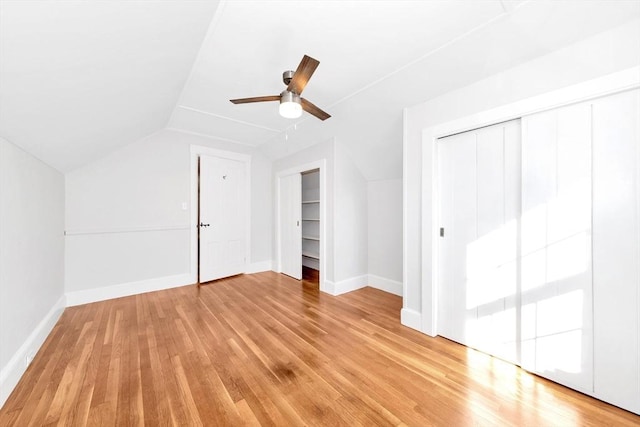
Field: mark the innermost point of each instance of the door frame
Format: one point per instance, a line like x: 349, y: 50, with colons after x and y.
x: 321, y: 165
x: 195, y: 152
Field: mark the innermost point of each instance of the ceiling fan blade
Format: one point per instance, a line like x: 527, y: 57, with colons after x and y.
x: 312, y: 109
x: 256, y: 99
x: 302, y: 74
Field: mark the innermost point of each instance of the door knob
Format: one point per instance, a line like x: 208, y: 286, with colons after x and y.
x: 204, y: 225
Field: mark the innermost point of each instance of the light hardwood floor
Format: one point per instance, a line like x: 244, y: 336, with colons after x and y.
x: 266, y: 349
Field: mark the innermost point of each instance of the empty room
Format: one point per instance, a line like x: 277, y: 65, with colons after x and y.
x: 320, y: 212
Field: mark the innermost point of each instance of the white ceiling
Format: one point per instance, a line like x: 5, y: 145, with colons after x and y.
x: 79, y: 79
x: 356, y: 42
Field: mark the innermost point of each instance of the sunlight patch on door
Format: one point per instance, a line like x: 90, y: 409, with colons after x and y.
x: 552, y: 333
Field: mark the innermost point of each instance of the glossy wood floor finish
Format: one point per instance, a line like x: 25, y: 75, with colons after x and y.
x: 265, y: 349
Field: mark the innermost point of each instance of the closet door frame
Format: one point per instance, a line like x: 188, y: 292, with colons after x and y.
x: 322, y: 166
x: 602, y: 86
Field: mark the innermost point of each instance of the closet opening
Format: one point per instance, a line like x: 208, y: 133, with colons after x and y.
x: 301, y: 216
x: 310, y: 207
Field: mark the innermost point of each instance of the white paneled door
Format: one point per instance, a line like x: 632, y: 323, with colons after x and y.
x: 458, y: 230
x: 223, y: 218
x: 557, y: 307
x: 479, y: 187
x: 290, y: 227
x: 616, y: 248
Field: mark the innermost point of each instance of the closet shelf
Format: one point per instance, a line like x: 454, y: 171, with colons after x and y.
x: 311, y: 238
x: 311, y: 219
x: 310, y: 255
x: 304, y: 202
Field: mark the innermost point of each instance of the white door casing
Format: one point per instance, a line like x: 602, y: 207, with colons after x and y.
x: 290, y: 188
x: 223, y: 218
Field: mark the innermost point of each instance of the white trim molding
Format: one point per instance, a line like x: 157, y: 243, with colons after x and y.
x: 242, y: 122
x: 328, y: 287
x: 17, y: 365
x: 127, y: 289
x: 259, y: 267
x: 347, y: 285
x: 117, y: 230
x: 411, y: 319
x: 384, y: 284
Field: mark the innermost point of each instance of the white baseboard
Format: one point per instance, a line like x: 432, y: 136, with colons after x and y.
x: 126, y: 289
x: 384, y: 284
x: 258, y: 267
x: 344, y: 286
x: 327, y: 287
x: 411, y: 318
x: 17, y: 365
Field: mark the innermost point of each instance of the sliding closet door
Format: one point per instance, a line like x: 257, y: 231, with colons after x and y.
x: 616, y: 261
x: 556, y: 288
x: 494, y: 255
x: 540, y: 259
x: 479, y: 186
x: 457, y: 156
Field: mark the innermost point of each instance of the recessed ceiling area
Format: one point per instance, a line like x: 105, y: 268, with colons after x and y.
x: 80, y: 79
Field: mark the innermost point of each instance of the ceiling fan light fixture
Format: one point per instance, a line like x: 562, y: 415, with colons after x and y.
x: 290, y: 106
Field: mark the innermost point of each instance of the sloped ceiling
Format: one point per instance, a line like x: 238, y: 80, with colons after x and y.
x: 80, y: 79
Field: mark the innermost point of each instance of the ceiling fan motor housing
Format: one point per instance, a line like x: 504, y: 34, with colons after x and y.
x: 287, y: 76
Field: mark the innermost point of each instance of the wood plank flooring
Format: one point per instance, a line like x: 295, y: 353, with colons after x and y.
x: 265, y: 349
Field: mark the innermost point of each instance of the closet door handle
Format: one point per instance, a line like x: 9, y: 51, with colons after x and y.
x: 204, y: 225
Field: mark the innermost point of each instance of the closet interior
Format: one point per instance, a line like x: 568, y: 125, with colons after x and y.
x: 311, y: 225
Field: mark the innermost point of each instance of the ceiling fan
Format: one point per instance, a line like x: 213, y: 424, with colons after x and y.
x: 291, y: 104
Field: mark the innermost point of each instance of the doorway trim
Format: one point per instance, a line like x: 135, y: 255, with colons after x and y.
x: 195, y: 151
x: 321, y: 165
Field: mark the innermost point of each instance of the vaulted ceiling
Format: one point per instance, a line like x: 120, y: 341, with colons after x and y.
x: 79, y: 79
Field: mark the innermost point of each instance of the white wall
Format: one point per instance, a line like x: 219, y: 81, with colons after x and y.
x: 350, y: 221
x: 384, y: 201
x: 31, y: 258
x: 125, y: 222
x: 605, y: 53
